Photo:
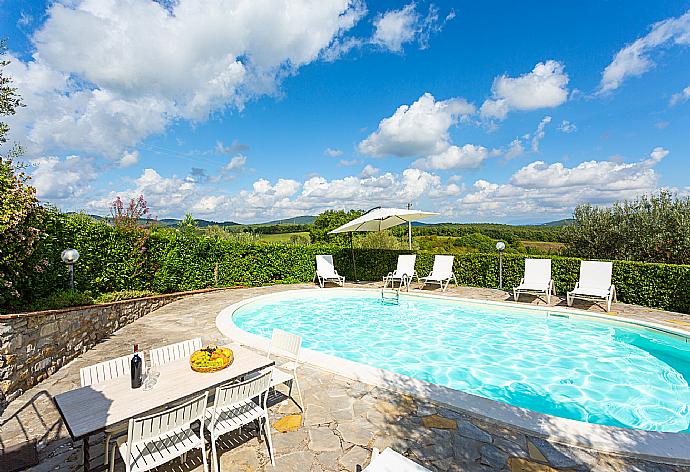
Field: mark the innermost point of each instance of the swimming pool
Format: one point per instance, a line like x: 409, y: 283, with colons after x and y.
x: 571, y: 366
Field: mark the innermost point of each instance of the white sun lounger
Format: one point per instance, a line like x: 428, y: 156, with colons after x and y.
x: 537, y: 279
x: 391, y: 461
x: 594, y: 284
x: 403, y: 273
x: 442, y: 273
x: 325, y: 271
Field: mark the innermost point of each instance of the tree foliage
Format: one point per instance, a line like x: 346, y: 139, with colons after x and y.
x: 651, y: 228
x: 10, y: 100
x: 330, y: 220
x: 508, y: 233
x: 21, y: 216
x: 380, y: 240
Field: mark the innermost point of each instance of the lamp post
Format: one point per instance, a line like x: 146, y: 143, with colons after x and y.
x: 500, y: 246
x: 409, y: 229
x: 69, y: 257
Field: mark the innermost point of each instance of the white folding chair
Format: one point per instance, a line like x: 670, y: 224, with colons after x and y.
x: 391, y: 461
x: 174, y: 352
x: 325, y: 271
x: 234, y: 407
x: 156, y: 439
x: 287, y: 345
x: 537, y: 279
x: 442, y: 273
x: 594, y: 284
x: 103, y: 372
x: 403, y: 272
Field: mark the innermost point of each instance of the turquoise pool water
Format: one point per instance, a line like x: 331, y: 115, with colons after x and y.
x: 574, y: 367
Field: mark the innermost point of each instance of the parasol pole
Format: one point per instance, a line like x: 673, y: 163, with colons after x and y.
x: 409, y: 229
x: 354, y: 264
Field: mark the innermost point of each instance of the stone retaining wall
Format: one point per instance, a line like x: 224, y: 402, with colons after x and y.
x: 35, y: 345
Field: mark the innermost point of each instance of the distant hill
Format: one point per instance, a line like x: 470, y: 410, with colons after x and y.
x: 199, y: 223
x: 563, y: 222
x: 297, y: 220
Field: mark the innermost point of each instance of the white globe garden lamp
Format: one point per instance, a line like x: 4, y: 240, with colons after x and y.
x: 500, y: 247
x: 69, y: 257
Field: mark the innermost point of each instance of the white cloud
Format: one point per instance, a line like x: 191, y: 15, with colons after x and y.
x: 567, y: 127
x: 234, y: 148
x: 680, y: 97
x: 161, y: 192
x: 354, y: 192
x: 545, y: 87
x: 168, y: 196
x: 330, y: 152
x: 349, y: 162
x: 468, y: 156
x: 539, y: 133
x: 282, y: 188
x: 236, y: 163
x: 420, y: 129
x: 554, y: 189
x: 608, y: 175
x: 62, y: 179
x: 340, y: 47
x: 129, y: 158
x: 105, y: 74
x: 517, y: 146
x: 395, y: 28
x: 657, y: 154
x: 369, y: 171
x: 634, y: 59
x: 454, y: 189
x: 516, y: 149
x: 537, y: 189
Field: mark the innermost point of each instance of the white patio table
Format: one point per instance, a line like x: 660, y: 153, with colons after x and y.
x: 89, y: 410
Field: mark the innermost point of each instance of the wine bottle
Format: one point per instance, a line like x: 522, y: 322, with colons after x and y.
x: 135, y: 368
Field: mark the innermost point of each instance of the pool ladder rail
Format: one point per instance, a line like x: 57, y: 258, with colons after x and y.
x: 390, y: 296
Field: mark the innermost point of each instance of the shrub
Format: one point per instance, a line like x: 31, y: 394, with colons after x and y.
x: 123, y: 295
x: 653, y: 228
x: 21, y: 220
x: 63, y: 299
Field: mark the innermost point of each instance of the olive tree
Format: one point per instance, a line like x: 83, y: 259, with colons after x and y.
x: 650, y: 228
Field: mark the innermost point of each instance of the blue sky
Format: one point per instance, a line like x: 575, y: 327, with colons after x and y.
x: 255, y: 110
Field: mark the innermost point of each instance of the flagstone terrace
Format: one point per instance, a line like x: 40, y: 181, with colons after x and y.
x: 343, y: 420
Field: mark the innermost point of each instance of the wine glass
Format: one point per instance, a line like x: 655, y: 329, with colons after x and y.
x: 151, y: 378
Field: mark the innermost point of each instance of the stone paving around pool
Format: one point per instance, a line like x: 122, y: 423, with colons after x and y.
x: 342, y: 422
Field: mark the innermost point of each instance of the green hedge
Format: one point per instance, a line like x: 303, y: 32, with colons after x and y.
x: 664, y: 286
x: 170, y: 260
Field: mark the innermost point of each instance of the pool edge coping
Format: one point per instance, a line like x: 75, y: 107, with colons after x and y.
x: 668, y: 448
